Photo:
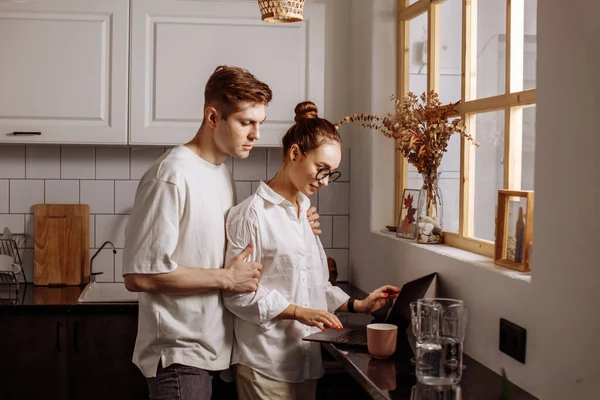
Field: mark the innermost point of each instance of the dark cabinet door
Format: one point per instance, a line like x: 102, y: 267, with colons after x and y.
x: 99, y: 358
x: 33, y: 357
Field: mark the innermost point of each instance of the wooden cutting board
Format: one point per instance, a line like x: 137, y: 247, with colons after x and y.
x: 61, y: 249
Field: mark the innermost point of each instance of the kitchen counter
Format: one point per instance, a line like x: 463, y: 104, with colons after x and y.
x: 394, y: 378
x: 45, y: 300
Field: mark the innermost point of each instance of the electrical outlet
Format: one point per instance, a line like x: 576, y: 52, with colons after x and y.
x: 513, y: 340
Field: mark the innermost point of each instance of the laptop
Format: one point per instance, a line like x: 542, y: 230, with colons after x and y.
x: 398, y: 313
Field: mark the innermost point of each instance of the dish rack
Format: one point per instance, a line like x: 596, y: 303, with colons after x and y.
x: 12, y: 247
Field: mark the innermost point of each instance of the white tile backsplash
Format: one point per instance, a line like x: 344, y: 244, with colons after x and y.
x: 42, y: 162
x: 4, y: 196
x: 104, y: 262
x: 29, y: 224
x: 92, y: 230
x: 111, y: 227
x: 100, y: 195
x: 62, y: 192
x: 24, y: 194
x: 243, y: 190
x: 106, y: 179
x: 335, y: 199
x: 253, y: 168
x: 14, y: 222
x: 340, y: 231
x: 112, y: 163
x: 326, y: 230
x: 142, y: 158
x: 12, y: 162
x: 77, y: 162
x: 124, y: 196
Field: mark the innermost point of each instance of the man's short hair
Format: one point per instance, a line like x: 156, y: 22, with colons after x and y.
x: 229, y: 86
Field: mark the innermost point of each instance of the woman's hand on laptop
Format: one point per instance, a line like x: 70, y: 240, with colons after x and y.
x: 319, y: 318
x: 376, y: 299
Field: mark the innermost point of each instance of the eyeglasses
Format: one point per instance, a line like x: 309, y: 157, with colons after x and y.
x: 326, y: 172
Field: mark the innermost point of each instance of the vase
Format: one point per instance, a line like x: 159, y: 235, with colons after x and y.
x: 429, y: 226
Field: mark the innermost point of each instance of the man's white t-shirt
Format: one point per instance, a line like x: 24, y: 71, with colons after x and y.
x: 178, y: 218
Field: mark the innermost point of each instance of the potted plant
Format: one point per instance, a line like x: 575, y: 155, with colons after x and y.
x: 421, y: 130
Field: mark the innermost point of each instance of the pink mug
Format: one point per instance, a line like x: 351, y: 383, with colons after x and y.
x: 381, y: 339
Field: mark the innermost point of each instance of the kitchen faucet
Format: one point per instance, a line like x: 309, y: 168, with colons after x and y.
x: 93, y: 274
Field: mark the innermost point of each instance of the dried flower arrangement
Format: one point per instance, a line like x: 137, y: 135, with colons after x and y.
x: 422, y: 130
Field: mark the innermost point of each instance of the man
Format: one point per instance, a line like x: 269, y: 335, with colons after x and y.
x: 175, y: 243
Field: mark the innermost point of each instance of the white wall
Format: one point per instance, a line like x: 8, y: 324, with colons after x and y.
x: 566, y: 279
x: 559, y: 308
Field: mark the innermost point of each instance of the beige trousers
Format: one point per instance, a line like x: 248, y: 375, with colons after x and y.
x: 252, y: 385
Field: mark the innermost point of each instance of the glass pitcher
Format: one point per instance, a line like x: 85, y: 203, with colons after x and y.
x: 440, y: 335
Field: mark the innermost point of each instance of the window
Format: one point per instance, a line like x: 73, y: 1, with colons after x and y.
x: 482, y: 52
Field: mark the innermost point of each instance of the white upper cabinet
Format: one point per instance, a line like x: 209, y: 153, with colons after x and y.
x: 65, y: 76
x: 64, y: 71
x: 176, y: 45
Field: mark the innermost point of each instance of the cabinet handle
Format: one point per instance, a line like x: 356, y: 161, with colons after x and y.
x: 27, y: 133
x: 58, y: 327
x: 75, y: 336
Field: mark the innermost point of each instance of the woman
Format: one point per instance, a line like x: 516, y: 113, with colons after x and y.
x: 294, y: 297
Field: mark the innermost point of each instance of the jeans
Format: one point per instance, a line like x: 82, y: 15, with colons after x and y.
x: 180, y: 382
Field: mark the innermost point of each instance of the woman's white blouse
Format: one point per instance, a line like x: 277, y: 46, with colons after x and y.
x: 294, y: 272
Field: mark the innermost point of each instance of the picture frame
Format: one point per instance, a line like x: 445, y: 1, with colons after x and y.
x: 407, y: 217
x: 514, y: 229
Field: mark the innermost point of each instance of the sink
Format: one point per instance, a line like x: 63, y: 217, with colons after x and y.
x: 107, y: 292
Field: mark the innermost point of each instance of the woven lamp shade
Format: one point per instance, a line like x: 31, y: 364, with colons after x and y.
x: 281, y: 10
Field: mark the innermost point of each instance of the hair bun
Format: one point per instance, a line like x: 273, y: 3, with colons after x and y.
x: 306, y: 110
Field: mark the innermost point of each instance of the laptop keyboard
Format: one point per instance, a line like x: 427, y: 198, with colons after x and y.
x: 356, y: 336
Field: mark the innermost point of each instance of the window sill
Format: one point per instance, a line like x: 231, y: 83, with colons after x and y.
x: 461, y: 255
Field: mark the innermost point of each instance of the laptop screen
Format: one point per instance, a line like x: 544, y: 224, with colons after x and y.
x: 399, y: 312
